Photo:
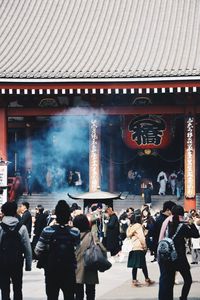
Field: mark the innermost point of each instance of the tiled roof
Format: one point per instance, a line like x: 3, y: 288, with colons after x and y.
x: 43, y: 39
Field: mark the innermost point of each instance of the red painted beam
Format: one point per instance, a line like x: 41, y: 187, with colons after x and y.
x: 123, y: 110
x: 99, y: 85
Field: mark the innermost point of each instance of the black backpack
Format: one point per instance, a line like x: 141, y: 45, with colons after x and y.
x: 166, y: 249
x: 11, y: 247
x: 61, y: 254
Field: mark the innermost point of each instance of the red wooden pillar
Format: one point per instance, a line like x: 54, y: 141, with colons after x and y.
x: 190, y: 163
x: 3, y: 133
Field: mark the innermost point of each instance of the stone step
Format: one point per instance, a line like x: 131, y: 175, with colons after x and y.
x: 49, y: 201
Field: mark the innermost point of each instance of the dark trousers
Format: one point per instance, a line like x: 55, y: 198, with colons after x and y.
x: 56, y: 281
x: 187, y: 278
x: 90, y: 291
x: 144, y: 270
x: 14, y: 275
x: 166, y: 282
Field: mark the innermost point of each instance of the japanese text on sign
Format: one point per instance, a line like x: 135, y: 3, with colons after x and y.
x: 94, y: 156
x: 189, y: 159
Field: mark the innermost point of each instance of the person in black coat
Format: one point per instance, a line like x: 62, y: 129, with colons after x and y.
x: 166, y: 212
x: 167, y: 268
x: 147, y: 194
x: 40, y: 224
x: 26, y: 218
x: 112, y: 233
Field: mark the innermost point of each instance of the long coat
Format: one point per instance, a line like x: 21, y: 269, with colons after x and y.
x: 112, y: 234
x: 83, y: 275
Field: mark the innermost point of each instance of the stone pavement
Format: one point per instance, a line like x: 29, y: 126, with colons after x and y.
x: 115, y: 284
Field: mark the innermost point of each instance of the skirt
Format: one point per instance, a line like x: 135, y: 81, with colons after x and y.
x: 136, y: 259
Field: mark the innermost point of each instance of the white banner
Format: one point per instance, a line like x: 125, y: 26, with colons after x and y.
x: 3, y: 183
x: 94, y: 156
x: 190, y: 176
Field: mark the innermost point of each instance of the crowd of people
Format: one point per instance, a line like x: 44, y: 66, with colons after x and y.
x: 57, y: 241
x: 171, y: 183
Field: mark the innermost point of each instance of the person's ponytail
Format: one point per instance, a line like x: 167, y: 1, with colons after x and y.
x: 177, y: 211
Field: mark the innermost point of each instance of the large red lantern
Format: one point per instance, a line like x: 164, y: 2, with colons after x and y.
x: 146, y: 132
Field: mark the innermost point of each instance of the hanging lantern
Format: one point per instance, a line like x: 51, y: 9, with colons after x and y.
x: 146, y: 132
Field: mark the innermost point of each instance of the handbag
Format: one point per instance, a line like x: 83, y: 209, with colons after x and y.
x: 95, y: 257
x: 127, y: 245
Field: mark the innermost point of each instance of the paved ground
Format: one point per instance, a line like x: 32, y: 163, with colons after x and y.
x: 115, y: 284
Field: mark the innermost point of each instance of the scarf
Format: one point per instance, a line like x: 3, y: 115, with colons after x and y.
x: 165, y: 225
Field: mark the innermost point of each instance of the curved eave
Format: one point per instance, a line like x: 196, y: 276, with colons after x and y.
x: 102, y: 80
x: 89, y: 196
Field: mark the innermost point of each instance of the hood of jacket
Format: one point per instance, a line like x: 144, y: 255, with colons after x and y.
x: 10, y: 221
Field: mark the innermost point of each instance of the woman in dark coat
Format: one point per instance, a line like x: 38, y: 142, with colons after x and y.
x: 84, y: 277
x: 112, y: 233
x: 167, y: 269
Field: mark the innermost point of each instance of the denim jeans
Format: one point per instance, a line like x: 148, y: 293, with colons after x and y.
x: 166, y: 281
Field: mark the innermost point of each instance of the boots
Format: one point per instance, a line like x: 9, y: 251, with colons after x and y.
x: 136, y: 283
x: 149, y: 282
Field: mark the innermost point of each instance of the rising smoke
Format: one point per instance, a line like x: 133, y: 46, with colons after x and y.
x: 59, y: 148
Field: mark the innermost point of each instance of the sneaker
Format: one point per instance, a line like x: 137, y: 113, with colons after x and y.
x: 136, y: 283
x: 149, y: 282
x: 121, y: 258
x: 112, y: 260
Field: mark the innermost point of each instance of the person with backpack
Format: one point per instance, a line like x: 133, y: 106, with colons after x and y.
x: 57, y: 247
x: 14, y: 247
x: 176, y: 229
x: 164, y: 214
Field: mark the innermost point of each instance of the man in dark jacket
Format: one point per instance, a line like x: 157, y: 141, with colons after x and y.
x: 11, y: 268
x: 60, y: 265
x: 147, y: 194
x: 112, y: 233
x: 26, y: 216
x: 40, y: 223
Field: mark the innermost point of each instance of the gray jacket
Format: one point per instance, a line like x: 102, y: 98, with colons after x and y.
x: 12, y: 222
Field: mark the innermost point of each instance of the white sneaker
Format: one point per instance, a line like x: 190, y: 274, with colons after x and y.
x: 121, y: 258
x: 112, y: 260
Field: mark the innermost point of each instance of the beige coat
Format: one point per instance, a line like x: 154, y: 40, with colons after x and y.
x: 136, y: 233
x: 82, y: 275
